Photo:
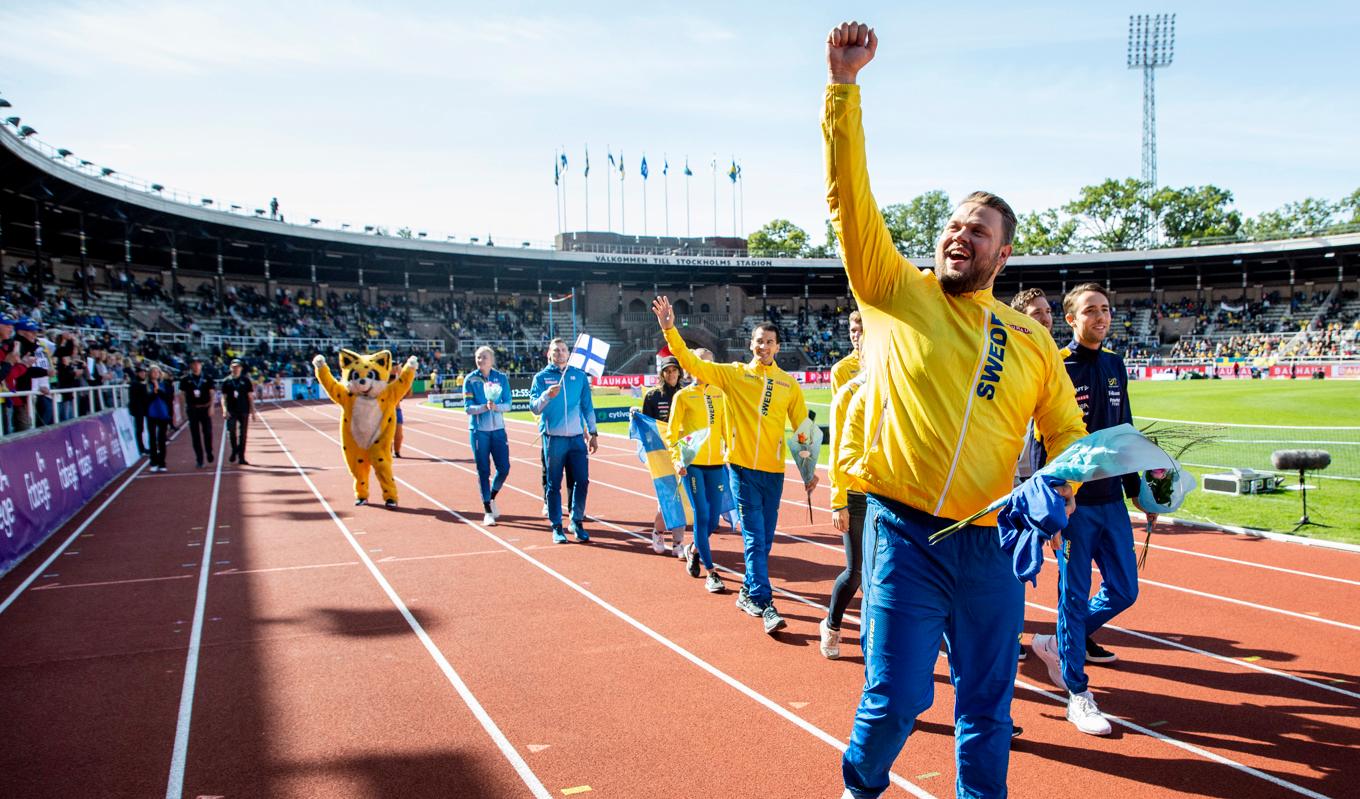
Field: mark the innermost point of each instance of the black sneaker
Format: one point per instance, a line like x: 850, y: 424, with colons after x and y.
x: 746, y: 605
x: 692, y: 561
x: 1020, y: 644
x: 1095, y: 653
x: 772, y: 620
x: 1016, y: 731
x: 580, y: 532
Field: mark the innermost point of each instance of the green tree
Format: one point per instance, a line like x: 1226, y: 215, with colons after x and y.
x: 1292, y: 220
x: 1349, y: 205
x: 1196, y: 212
x: 405, y: 233
x: 915, y: 225
x: 1045, y: 233
x: 778, y: 238
x: 831, y: 249
x: 1112, y: 213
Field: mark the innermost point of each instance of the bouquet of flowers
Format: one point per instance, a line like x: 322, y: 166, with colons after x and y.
x: 1163, y: 490
x: 493, y: 392
x: 691, y: 445
x: 805, y: 444
x: 1112, y: 452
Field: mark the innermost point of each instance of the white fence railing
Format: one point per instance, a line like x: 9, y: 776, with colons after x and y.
x: 324, y: 342
x: 43, y: 407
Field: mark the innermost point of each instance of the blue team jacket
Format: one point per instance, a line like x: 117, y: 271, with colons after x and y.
x: 572, y: 411
x: 1102, y: 385
x: 474, y: 401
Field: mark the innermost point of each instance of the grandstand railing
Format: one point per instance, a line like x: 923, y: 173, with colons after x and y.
x: 332, y: 342
x: 65, y: 405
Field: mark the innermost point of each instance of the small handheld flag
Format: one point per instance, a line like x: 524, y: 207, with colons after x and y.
x: 671, y: 500
x: 589, y: 354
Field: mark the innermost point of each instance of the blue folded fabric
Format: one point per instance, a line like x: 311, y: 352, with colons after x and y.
x: 1032, y: 514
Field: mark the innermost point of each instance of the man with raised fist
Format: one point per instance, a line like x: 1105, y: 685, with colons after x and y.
x: 953, y: 378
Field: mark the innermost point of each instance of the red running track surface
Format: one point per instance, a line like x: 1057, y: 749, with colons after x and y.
x: 367, y: 652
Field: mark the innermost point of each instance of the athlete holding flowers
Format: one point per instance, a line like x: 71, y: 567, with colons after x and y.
x: 953, y: 378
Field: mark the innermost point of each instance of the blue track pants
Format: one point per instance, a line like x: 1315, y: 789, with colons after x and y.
x: 1104, y: 534
x: 758, y: 496
x: 567, y: 453
x: 489, y: 446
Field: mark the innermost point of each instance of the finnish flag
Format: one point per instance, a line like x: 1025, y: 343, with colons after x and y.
x: 589, y: 355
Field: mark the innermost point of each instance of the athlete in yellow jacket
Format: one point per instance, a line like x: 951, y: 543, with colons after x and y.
x: 954, y: 379
x: 760, y: 397
x: 693, y: 408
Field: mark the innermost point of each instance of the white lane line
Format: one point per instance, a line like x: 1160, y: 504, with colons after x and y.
x: 1191, y: 748
x: 531, y: 780
x: 174, y: 788
x: 1167, y: 642
x: 1204, y: 753
x: 1242, y: 602
x: 741, y: 687
x: 9, y: 600
x: 1143, y: 581
x: 1224, y: 658
x: 1257, y: 565
x: 60, y: 586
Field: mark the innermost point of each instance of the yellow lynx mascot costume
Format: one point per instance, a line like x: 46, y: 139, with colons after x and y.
x: 369, y: 401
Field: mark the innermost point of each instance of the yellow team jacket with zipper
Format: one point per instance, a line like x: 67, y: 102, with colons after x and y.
x: 759, y: 400
x: 846, y: 441
x: 845, y: 370
x: 693, y: 408
x: 955, y: 378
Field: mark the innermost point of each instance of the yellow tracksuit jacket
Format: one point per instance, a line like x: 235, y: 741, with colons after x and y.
x: 845, y: 370
x: 759, y: 400
x: 847, y: 439
x: 693, y: 408
x: 954, y: 379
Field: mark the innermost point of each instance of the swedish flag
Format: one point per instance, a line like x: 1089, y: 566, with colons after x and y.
x: 652, y: 451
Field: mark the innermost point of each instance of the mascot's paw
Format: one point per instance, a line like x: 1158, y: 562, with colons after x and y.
x: 359, y: 502
x: 319, y: 361
x: 391, y: 503
x: 412, y: 362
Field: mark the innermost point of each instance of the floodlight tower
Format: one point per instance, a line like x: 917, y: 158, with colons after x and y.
x: 1152, y: 44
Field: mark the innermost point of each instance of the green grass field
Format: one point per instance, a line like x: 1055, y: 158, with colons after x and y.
x: 1334, y: 501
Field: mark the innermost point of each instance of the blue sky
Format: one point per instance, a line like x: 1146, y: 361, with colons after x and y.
x: 445, y: 116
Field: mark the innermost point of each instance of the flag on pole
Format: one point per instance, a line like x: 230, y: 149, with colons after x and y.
x: 586, y: 171
x: 612, y: 165
x: 665, y: 166
x: 732, y: 172
x: 564, y: 161
x: 670, y: 498
x: 589, y: 355
x: 644, y: 167
x: 688, y: 172
x: 557, y: 172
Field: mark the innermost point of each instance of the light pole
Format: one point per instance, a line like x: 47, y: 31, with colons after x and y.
x: 1152, y: 44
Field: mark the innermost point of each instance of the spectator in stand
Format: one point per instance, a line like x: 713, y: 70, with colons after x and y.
x: 160, y: 411
x: 238, y: 407
x: 198, y: 390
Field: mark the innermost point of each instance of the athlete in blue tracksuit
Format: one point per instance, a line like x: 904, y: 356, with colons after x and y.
x: 1099, y: 530
x: 560, y: 396
x: 486, y: 428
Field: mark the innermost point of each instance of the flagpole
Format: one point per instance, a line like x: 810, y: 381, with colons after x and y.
x: 644, y: 200
x: 714, y: 164
x: 623, y: 199
x: 609, y: 193
x: 557, y: 189
x: 666, y: 189
x: 585, y: 179
x: 741, y: 193
x: 565, y: 225
x: 688, y: 175
x: 734, y: 197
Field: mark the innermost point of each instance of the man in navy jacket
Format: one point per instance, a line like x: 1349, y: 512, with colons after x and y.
x: 1099, y: 529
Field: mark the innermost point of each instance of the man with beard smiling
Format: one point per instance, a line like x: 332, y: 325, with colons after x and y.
x: 953, y: 379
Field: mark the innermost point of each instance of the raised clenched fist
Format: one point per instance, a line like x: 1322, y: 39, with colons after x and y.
x: 412, y: 362
x: 849, y: 47
x: 319, y: 361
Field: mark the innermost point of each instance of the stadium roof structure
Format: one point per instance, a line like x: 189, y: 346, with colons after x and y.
x: 50, y: 207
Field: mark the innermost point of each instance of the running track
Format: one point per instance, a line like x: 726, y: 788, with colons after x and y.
x: 247, y: 632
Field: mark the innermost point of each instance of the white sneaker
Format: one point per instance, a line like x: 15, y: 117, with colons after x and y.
x: 1082, y: 711
x: 1046, y: 647
x: 679, y: 551
x: 488, y: 520
x: 658, y: 545
x: 495, y: 511
x: 831, y: 641
x: 545, y: 509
